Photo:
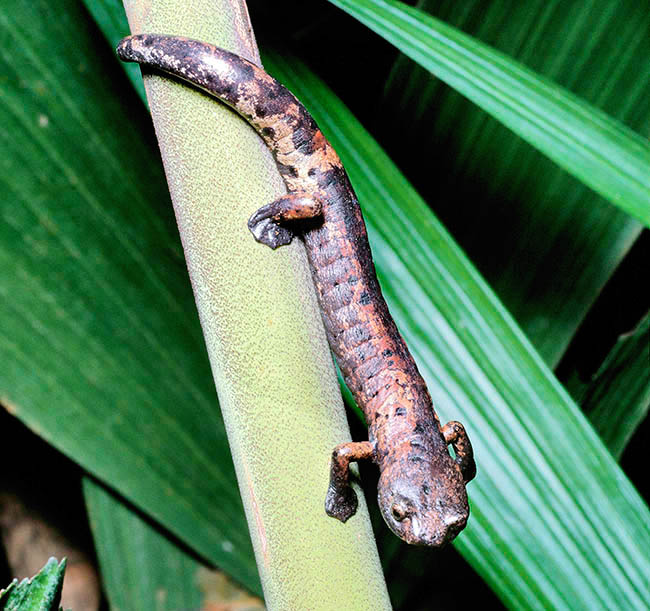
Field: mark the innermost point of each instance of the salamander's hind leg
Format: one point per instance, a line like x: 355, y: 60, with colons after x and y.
x: 456, y: 436
x: 267, y: 224
x: 341, y: 501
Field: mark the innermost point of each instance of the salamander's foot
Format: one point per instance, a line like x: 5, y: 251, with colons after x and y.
x: 270, y: 233
x: 456, y: 436
x: 267, y: 224
x: 341, y: 503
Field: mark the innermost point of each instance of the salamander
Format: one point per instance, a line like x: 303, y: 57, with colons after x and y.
x: 421, y: 489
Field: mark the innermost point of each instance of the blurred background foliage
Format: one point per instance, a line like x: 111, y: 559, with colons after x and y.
x: 568, y: 265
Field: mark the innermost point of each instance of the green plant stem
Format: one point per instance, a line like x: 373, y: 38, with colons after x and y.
x: 271, y: 363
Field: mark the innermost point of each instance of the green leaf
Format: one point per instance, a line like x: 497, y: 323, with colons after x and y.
x: 101, y: 349
x: 602, y: 153
x: 141, y: 567
x: 546, y: 243
x: 617, y: 399
x: 109, y: 15
x: 548, y: 499
x: 40, y: 593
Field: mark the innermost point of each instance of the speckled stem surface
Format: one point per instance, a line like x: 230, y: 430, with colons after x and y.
x: 265, y: 338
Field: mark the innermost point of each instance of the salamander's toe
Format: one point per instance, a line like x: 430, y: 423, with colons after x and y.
x: 270, y: 233
x: 341, y: 504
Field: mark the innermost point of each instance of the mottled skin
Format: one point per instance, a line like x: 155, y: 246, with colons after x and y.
x: 421, y: 488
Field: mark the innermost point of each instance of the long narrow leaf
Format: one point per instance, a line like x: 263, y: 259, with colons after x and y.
x: 548, y: 500
x: 618, y: 398
x: 141, y: 567
x: 101, y: 350
x: 546, y: 243
x: 611, y: 159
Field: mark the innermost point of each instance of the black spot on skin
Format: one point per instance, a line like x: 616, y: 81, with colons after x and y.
x: 400, y: 411
x: 418, y: 428
x: 425, y: 489
x: 360, y: 334
x: 415, y: 459
x: 388, y: 352
x: 268, y: 132
x: 260, y: 111
x: 353, y: 280
x: 302, y: 141
x: 312, y: 172
x: 245, y: 71
x: 365, y: 298
x: 335, y: 176
x: 287, y: 170
x: 229, y: 92
x: 391, y: 363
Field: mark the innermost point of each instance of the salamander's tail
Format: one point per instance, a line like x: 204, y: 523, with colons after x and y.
x: 267, y: 105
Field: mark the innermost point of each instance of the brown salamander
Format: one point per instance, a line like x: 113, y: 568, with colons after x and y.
x: 421, y: 488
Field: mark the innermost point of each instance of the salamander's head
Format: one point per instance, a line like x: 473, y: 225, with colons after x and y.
x: 423, y: 497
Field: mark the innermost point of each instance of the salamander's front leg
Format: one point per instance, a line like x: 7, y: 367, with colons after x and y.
x: 267, y: 223
x: 341, y: 502
x: 456, y: 436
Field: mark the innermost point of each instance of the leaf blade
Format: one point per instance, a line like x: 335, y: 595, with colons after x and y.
x: 546, y: 243
x: 617, y: 399
x: 141, y: 568
x: 94, y: 283
x: 610, y: 158
x: 40, y: 593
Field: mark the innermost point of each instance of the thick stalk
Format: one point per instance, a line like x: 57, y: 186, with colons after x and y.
x: 272, y: 367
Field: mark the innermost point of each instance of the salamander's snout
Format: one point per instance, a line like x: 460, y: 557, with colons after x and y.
x: 425, y: 508
x: 416, y: 527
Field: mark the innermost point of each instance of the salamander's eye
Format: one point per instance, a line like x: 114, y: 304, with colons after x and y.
x: 399, y: 511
